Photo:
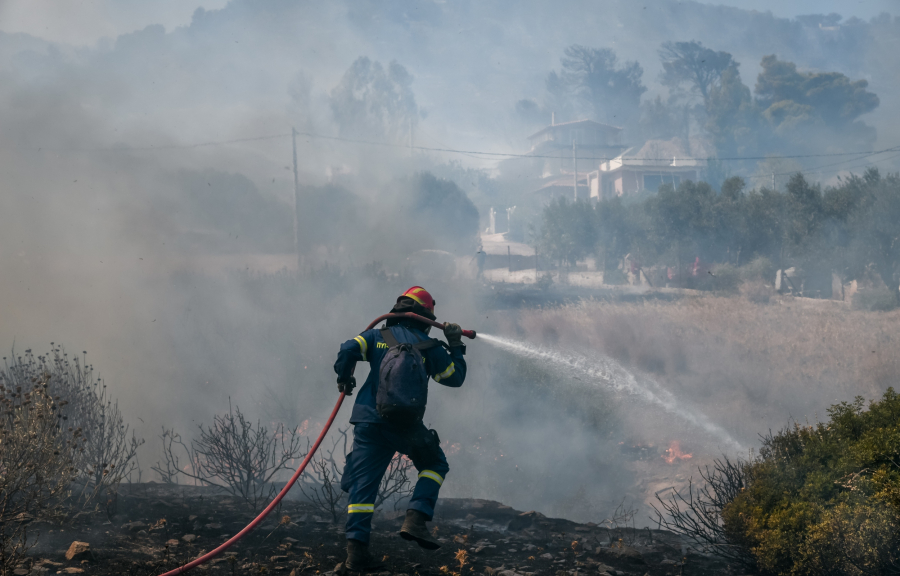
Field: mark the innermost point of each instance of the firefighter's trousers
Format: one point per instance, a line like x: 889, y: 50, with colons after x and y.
x: 374, y: 445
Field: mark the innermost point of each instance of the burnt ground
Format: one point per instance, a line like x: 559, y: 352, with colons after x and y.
x: 157, y: 527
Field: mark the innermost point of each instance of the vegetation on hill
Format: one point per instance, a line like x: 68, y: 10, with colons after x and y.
x: 852, y: 229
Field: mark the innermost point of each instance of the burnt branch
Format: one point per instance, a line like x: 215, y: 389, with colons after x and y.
x: 233, y: 454
x: 697, y: 514
x: 324, y: 489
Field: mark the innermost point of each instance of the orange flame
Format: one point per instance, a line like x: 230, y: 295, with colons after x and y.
x: 673, y: 453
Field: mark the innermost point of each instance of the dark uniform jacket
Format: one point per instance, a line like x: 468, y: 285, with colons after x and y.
x: 447, y: 368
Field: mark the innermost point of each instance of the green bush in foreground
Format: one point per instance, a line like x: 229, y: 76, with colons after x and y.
x: 824, y: 499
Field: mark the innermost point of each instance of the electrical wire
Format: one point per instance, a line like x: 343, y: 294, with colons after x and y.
x: 481, y: 153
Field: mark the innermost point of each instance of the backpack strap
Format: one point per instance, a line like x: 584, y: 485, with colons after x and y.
x: 388, y: 337
x: 426, y: 344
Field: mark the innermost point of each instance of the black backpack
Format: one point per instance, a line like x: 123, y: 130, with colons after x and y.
x: 402, y: 381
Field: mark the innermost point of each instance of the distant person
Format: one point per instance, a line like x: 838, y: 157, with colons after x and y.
x: 480, y: 257
x: 382, y: 428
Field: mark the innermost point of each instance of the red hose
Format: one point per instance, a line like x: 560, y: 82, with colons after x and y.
x: 225, y: 546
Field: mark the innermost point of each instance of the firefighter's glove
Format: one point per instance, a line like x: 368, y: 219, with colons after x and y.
x: 347, y: 386
x: 453, y: 333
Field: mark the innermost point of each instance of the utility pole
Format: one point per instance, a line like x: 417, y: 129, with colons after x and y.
x: 575, y: 170
x: 296, y: 200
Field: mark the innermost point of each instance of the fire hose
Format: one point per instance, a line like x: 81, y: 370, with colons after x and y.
x: 256, y: 521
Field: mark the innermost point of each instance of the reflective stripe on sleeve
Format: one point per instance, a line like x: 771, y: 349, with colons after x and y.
x: 451, y: 369
x: 363, y: 347
x: 361, y: 508
x: 432, y: 475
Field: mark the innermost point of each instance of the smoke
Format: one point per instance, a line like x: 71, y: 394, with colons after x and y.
x: 607, y: 372
x: 148, y: 186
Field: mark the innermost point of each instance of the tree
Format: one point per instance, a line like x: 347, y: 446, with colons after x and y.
x: 663, y: 121
x: 614, y: 231
x: 372, y: 102
x: 681, y: 219
x: 875, y: 226
x: 439, y: 211
x: 791, y: 99
x: 690, y: 63
x: 731, y: 117
x: 568, y: 231
x: 612, y: 92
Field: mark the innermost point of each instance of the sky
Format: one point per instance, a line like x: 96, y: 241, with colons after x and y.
x: 84, y: 22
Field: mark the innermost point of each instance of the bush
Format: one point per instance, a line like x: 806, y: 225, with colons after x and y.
x: 760, y: 269
x: 875, y: 300
x: 108, y: 452
x: 615, y: 277
x: 721, y: 278
x: 37, y: 456
x: 819, y: 499
x: 234, y: 454
x: 825, y: 499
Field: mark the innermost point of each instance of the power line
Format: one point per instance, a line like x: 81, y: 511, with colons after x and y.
x: 483, y: 153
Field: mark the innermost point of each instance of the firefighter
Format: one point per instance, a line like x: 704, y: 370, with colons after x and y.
x: 378, y: 436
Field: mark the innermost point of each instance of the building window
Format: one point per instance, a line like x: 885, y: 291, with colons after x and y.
x: 654, y: 181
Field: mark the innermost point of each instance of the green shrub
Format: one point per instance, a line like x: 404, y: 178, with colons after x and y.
x: 876, y: 300
x: 721, y: 278
x: 825, y: 498
x: 760, y: 269
x: 615, y: 277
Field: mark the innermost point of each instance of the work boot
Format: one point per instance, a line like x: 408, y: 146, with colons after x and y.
x: 414, y: 529
x: 358, y: 559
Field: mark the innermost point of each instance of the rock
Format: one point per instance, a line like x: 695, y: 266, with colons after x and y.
x: 192, y: 517
x: 173, y: 543
x: 78, y: 551
x: 546, y: 556
x: 624, y: 553
x: 524, y: 520
x: 142, y: 533
x: 71, y: 570
x: 668, y: 562
x: 290, y: 540
x: 134, y: 526
x: 189, y: 538
x: 21, y: 572
x: 213, y: 526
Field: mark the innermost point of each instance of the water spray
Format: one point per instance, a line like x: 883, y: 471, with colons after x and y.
x: 287, y: 487
x: 615, y: 376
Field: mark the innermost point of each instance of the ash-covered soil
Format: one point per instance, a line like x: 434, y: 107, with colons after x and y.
x: 158, y: 527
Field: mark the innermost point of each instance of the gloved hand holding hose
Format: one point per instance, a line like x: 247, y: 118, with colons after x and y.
x: 454, y: 334
x: 347, y: 386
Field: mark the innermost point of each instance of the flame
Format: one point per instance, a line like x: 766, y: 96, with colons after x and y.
x: 673, y: 453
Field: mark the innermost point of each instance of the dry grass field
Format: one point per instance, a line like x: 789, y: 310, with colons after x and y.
x: 749, y: 366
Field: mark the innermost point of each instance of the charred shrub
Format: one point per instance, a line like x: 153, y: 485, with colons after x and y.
x: 107, y: 450
x: 234, y: 454
x: 37, y: 463
x: 698, y: 513
x: 321, y: 485
x: 818, y: 499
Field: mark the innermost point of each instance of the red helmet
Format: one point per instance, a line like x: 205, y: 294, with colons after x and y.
x: 420, y: 296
